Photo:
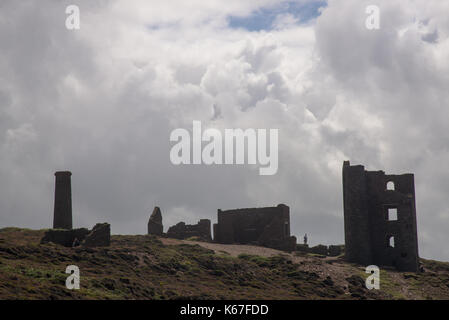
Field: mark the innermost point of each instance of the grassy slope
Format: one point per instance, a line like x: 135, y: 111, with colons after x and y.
x: 141, y: 267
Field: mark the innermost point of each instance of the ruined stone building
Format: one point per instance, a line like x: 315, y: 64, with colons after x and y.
x: 269, y: 226
x: 380, y: 218
x: 63, y: 232
x: 200, y: 230
x: 99, y: 236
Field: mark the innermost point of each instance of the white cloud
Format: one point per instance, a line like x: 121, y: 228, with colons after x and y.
x: 103, y: 100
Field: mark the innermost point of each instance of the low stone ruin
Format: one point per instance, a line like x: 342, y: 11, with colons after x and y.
x: 201, y: 230
x: 65, y: 237
x: 335, y: 251
x: 268, y: 227
x: 62, y: 232
x: 331, y: 251
x: 99, y: 236
x: 319, y: 249
x: 155, y: 223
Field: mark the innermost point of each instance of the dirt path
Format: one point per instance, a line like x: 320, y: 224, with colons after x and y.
x: 231, y: 249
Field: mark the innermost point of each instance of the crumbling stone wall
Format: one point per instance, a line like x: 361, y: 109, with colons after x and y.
x: 370, y: 199
x: 302, y: 247
x: 335, y: 250
x: 64, y: 237
x: 319, y: 249
x: 99, y: 236
x: 201, y: 230
x: 269, y: 226
x: 331, y: 251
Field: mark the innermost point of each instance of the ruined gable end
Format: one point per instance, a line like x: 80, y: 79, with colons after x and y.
x: 155, y: 222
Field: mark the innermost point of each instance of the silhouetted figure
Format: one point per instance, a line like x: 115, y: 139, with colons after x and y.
x: 305, y: 238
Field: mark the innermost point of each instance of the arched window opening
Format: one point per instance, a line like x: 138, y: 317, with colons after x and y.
x: 390, y: 185
x: 391, y: 242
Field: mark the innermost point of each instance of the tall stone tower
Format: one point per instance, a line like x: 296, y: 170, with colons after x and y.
x: 380, y: 218
x: 62, y: 218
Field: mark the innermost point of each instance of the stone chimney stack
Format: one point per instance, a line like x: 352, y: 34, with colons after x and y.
x: 62, y: 218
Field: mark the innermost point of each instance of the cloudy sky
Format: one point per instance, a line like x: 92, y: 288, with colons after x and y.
x: 101, y: 102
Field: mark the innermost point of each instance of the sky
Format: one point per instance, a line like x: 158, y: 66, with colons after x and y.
x: 102, y: 101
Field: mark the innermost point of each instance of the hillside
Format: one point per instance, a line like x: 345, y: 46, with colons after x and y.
x: 147, y: 267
